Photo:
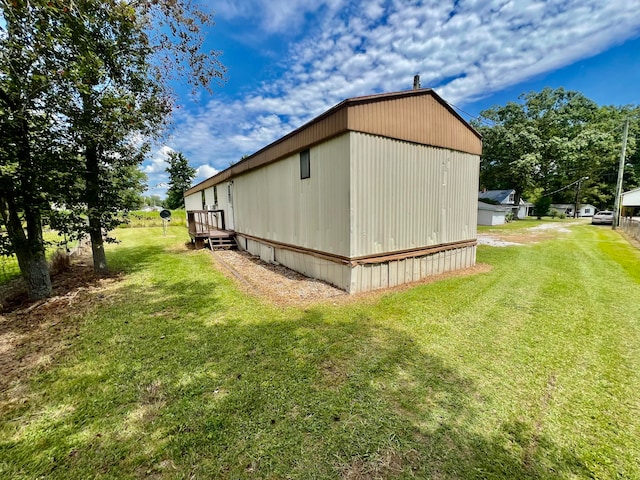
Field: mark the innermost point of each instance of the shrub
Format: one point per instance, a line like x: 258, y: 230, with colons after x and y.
x: 60, y: 262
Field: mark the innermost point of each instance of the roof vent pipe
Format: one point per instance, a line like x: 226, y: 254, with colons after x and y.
x: 416, y: 82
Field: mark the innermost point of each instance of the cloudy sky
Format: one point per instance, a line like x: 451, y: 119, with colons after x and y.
x: 290, y: 60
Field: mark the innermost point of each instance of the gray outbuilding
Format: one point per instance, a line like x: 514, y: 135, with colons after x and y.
x: 377, y: 191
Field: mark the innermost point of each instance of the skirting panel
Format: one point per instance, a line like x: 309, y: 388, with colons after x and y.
x: 366, y: 277
x: 336, y: 274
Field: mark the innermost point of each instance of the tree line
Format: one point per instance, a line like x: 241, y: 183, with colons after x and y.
x: 553, y: 139
x: 84, y: 89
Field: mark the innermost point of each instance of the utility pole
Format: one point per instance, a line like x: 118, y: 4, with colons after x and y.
x: 616, y: 206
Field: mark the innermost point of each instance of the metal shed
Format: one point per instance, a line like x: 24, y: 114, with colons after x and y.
x: 489, y: 214
x: 377, y: 191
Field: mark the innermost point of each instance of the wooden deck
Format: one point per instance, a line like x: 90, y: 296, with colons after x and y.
x: 206, y: 227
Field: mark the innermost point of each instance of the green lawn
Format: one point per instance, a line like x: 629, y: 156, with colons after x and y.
x: 9, y: 268
x: 9, y: 265
x: 528, y: 371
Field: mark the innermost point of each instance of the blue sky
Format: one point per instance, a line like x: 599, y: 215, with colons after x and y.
x: 290, y: 60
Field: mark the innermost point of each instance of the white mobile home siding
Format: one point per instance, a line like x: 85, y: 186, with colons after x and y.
x: 406, y: 196
x: 193, y: 201
x: 209, y: 198
x: 273, y: 203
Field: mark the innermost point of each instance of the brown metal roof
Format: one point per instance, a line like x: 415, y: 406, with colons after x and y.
x: 418, y: 116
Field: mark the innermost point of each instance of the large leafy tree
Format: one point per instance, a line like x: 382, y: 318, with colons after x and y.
x: 549, y: 140
x: 181, y: 174
x: 31, y: 138
x: 92, y: 88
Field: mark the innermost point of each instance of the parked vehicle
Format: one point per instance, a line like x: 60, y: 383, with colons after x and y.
x: 605, y: 217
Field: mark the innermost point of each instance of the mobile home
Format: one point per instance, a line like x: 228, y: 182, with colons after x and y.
x: 375, y: 192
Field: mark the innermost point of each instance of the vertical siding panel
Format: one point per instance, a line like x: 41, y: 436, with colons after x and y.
x: 384, y: 275
x: 393, y: 274
x: 402, y: 272
x: 407, y: 196
x: 275, y: 204
x: 193, y: 201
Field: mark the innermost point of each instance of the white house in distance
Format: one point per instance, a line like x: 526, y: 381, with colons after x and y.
x: 584, y: 210
x: 506, y: 198
x: 375, y: 192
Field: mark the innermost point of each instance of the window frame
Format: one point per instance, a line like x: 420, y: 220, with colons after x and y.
x: 305, y: 164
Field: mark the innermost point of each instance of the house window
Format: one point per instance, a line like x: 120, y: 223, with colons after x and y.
x: 204, y: 200
x: 215, y: 195
x: 587, y: 210
x: 305, y: 164
x: 512, y: 197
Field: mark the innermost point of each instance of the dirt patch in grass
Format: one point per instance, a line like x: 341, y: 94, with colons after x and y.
x: 386, y: 465
x: 33, y: 334
x: 540, y: 233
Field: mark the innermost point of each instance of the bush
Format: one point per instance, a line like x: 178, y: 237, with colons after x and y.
x: 59, y: 262
x: 542, y: 205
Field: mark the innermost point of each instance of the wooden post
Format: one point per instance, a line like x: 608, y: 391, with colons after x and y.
x: 616, y: 206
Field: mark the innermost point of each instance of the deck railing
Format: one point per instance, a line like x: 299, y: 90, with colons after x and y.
x: 204, y: 221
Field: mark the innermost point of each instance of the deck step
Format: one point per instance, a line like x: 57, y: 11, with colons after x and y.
x: 214, y: 239
x: 223, y: 243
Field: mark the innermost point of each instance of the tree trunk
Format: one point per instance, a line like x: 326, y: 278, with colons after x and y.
x: 29, y: 249
x: 38, y: 278
x: 93, y: 207
x: 97, y: 245
x: 28, y: 246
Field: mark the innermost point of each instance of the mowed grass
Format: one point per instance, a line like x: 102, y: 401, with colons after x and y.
x: 528, y: 371
x: 9, y: 267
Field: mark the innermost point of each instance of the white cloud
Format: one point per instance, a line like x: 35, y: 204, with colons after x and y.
x: 158, y: 162
x: 203, y: 172
x: 466, y: 49
x: 277, y: 16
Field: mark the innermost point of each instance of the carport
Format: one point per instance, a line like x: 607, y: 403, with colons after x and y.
x: 630, y: 218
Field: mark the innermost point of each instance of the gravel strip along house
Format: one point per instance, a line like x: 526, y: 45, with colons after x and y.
x: 375, y: 192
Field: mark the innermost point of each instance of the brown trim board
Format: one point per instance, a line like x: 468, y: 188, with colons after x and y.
x: 366, y: 259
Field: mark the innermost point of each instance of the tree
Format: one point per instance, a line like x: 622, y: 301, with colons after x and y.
x: 81, y: 84
x: 542, y: 205
x: 31, y: 139
x: 549, y: 140
x: 181, y: 174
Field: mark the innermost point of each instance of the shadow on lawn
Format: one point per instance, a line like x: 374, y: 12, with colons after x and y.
x: 158, y: 392
x: 133, y: 259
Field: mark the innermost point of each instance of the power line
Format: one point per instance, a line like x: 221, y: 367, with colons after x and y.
x: 566, y: 186
x: 471, y: 117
